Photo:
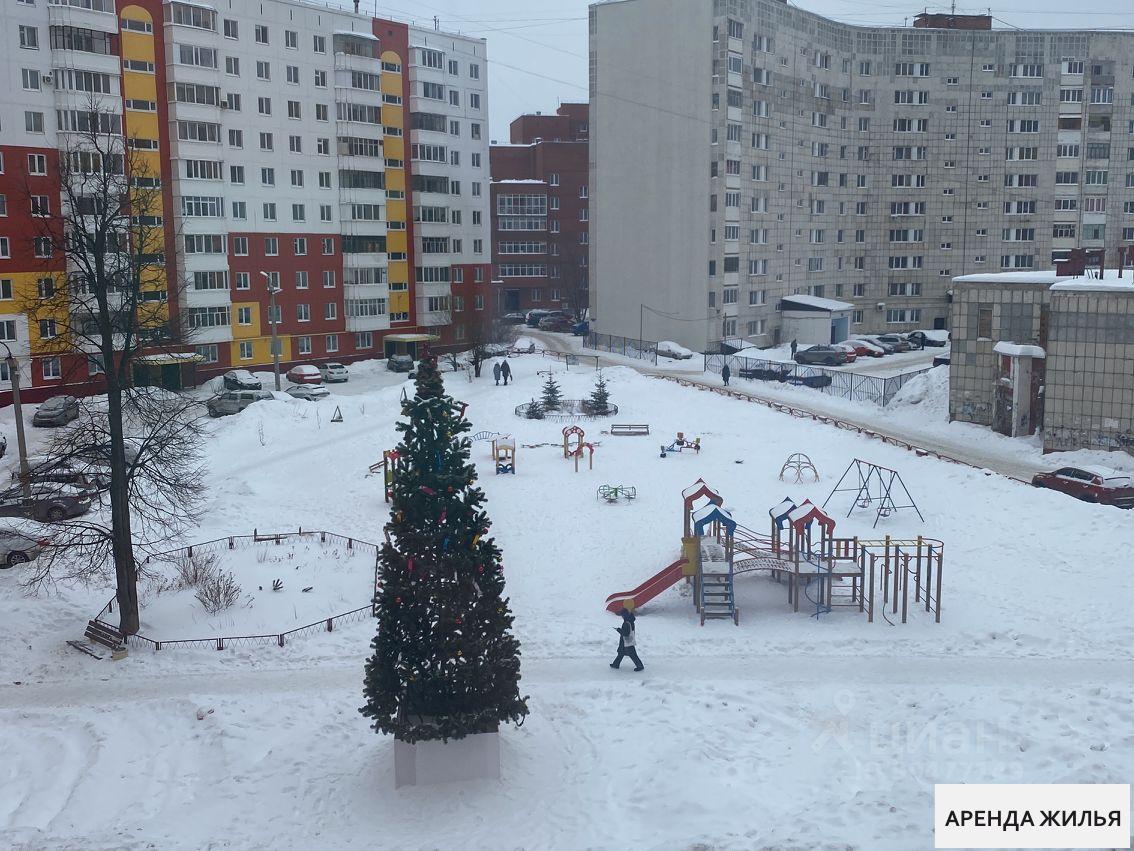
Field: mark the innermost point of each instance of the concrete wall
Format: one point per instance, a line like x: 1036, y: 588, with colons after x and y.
x: 651, y: 75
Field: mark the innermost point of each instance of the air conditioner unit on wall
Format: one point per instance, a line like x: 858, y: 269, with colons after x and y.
x: 45, y: 78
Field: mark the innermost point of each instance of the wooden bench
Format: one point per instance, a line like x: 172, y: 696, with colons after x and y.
x: 107, y: 636
x: 629, y: 429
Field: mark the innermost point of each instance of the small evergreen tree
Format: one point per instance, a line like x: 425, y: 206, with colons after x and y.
x: 445, y: 664
x: 551, y: 394
x: 534, y: 411
x: 599, y: 402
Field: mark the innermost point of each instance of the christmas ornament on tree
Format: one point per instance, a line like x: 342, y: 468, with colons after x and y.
x: 445, y: 664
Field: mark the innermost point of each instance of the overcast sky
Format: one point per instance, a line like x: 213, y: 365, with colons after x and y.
x: 537, y: 49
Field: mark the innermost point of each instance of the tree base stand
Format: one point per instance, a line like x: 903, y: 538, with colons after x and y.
x: 475, y: 757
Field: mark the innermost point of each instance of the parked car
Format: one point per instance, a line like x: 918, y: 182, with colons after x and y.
x: 826, y: 355
x: 900, y: 343
x: 99, y: 453
x: 304, y: 373
x: 514, y: 319
x: 241, y: 379
x: 234, y: 401
x: 399, y: 363
x: 670, y: 349
x: 48, y: 502
x: 941, y: 360
x: 581, y: 329
x: 876, y: 341
x: 56, y: 411
x: 556, y: 322
x: 56, y: 471
x: 18, y: 546
x: 534, y: 316
x: 523, y: 346
x: 935, y: 338
x: 310, y: 392
x: 1089, y: 486
x: 862, y: 349
x: 852, y: 353
x: 333, y: 372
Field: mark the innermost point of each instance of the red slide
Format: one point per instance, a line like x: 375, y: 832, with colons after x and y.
x: 647, y: 590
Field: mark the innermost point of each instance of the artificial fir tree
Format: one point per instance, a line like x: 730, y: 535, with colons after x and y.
x: 445, y: 664
x: 599, y: 402
x: 551, y: 394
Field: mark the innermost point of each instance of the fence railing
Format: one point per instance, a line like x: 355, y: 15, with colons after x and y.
x: 233, y: 542
x: 568, y: 411
x: 640, y: 349
x: 844, y: 384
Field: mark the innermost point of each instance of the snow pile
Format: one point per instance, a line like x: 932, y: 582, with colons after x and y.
x: 928, y: 392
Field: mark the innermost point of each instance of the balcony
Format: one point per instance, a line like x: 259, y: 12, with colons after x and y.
x: 98, y: 15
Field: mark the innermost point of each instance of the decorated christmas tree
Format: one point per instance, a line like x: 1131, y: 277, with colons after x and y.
x: 445, y: 664
x: 551, y: 394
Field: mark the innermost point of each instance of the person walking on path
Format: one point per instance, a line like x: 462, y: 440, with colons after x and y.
x: 506, y: 372
x: 496, y: 371
x: 626, y: 642
x: 725, y: 374
x: 794, y: 346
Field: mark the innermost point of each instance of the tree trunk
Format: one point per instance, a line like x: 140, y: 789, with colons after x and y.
x: 122, y: 544
x: 476, y: 366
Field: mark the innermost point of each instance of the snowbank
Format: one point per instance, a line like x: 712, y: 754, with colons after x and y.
x: 929, y: 392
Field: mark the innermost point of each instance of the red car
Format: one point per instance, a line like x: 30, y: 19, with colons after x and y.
x: 305, y: 373
x: 1088, y: 486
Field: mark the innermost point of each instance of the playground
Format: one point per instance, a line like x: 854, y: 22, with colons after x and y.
x: 765, y: 674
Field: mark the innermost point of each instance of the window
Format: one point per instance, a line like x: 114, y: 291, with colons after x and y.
x: 29, y: 38
x: 51, y: 368
x: 244, y: 316
x: 243, y: 281
x: 299, y: 246
x: 271, y: 246
x: 261, y: 34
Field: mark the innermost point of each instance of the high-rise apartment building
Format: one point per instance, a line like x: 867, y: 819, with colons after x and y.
x: 338, y: 158
x: 747, y: 150
x: 540, y: 212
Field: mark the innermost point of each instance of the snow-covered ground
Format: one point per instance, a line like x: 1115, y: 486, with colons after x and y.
x: 782, y: 731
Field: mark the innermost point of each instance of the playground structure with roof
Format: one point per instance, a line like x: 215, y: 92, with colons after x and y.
x: 802, y: 551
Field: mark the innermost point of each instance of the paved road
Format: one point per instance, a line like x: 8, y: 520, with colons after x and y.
x: 957, y: 449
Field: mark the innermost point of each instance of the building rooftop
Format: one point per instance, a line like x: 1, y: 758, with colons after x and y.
x: 1111, y: 281
x: 814, y: 302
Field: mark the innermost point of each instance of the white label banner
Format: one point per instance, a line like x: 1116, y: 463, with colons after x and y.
x: 1023, y: 815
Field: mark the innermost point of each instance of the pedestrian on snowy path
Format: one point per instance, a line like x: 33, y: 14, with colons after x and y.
x: 726, y: 373
x: 626, y: 642
x: 496, y: 371
x: 506, y: 371
x: 794, y: 346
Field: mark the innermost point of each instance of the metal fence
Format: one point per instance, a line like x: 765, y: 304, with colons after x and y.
x: 569, y: 410
x: 834, y: 382
x: 640, y: 349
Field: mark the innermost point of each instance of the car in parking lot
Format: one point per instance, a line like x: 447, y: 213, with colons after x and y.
x: 241, y: 379
x: 304, y: 373
x: 556, y: 322
x: 514, y: 319
x: 826, y: 355
x: 56, y: 411
x: 234, y: 401
x: 1089, y: 486
x: 310, y: 392
x: 852, y: 352
x: 59, y: 471
x: 48, y: 502
x: 936, y: 338
x: 900, y: 343
x: 863, y: 349
x: 886, y: 348
x: 670, y: 349
x: 333, y: 372
x: 399, y: 363
x: 534, y: 316
x: 19, y: 545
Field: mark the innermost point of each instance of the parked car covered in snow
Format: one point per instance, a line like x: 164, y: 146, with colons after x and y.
x: 399, y: 363
x: 332, y: 372
x: 935, y: 338
x: 18, y: 546
x: 523, y: 346
x: 670, y: 349
x: 863, y: 349
x: 305, y: 373
x: 241, y: 379
x: 852, y: 352
x: 234, y: 401
x: 900, y: 343
x: 309, y: 392
x: 56, y: 411
x: 1089, y: 486
x: 826, y: 355
x: 876, y: 341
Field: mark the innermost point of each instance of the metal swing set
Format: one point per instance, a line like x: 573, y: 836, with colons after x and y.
x: 875, y: 488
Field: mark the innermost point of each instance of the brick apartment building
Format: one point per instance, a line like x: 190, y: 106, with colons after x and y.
x: 540, y: 212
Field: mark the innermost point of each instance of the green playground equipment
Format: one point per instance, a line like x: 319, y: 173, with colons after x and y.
x: 612, y: 493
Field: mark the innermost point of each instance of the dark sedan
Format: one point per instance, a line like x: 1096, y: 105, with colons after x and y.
x: 47, y: 502
x: 1089, y: 486
x: 826, y: 355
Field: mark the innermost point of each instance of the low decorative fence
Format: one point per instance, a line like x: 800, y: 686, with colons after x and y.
x: 233, y: 542
x: 834, y: 382
x: 640, y: 349
x: 568, y: 411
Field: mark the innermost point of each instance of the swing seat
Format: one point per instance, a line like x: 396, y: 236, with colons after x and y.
x: 864, y: 502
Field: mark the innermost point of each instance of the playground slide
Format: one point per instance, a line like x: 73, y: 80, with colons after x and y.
x: 648, y: 589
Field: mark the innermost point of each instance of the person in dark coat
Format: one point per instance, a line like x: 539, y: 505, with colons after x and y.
x: 626, y: 642
x: 496, y: 371
x: 506, y: 372
x: 794, y: 346
x: 726, y: 373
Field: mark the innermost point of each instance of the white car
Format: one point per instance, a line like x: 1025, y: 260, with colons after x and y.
x: 670, y: 349
x: 310, y: 392
x: 332, y: 372
x: 524, y: 345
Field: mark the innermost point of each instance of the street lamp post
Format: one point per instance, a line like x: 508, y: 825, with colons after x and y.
x: 21, y: 443
x: 272, y: 290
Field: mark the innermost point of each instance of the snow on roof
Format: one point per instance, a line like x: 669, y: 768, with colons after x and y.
x: 709, y: 510
x: 693, y: 488
x: 1110, y: 282
x: 1045, y: 277
x: 1017, y: 351
x: 529, y: 180
x: 818, y: 302
x: 369, y: 36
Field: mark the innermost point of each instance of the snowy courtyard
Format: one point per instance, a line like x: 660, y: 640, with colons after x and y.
x: 787, y: 730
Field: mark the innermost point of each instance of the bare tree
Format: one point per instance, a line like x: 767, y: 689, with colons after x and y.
x: 487, y: 336
x: 112, y: 303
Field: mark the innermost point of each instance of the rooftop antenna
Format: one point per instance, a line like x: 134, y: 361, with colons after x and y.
x: 436, y: 23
